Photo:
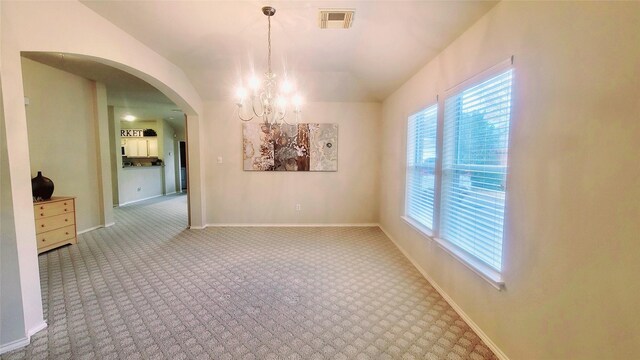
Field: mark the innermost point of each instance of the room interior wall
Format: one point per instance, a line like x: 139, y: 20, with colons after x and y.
x: 168, y: 158
x: 63, y: 141
x: 12, y: 326
x: 571, y: 235
x: 71, y: 27
x: 137, y: 184
x: 116, y: 155
x: 104, y: 152
x: 248, y: 197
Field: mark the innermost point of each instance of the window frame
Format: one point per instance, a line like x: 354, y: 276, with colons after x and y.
x: 485, y: 271
x: 423, y: 227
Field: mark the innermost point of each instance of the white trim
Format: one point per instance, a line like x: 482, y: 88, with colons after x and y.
x: 90, y: 229
x: 295, y: 225
x: 22, y: 342
x: 480, y: 77
x: 496, y: 350
x: 197, y: 227
x: 35, y: 329
x: 490, y: 275
x: 416, y: 225
x: 16, y: 344
x: 135, y: 201
x: 96, y: 228
x: 171, y: 193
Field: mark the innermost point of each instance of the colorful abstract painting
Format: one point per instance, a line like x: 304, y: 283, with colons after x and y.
x: 281, y: 147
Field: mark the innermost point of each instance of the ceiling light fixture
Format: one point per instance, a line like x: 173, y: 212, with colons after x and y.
x: 129, y: 117
x: 266, y: 99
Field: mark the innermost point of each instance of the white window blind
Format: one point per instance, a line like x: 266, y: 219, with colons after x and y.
x: 474, y: 168
x: 421, y: 156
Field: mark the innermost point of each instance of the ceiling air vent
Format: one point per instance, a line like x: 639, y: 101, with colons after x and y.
x: 336, y: 18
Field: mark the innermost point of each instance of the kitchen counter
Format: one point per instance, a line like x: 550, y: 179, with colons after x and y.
x: 142, y: 167
x: 137, y: 183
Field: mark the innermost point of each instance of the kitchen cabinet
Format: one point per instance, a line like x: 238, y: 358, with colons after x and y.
x: 55, y: 222
x: 152, y: 147
x: 140, y: 147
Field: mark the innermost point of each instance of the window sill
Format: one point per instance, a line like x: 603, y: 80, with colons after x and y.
x: 484, y: 271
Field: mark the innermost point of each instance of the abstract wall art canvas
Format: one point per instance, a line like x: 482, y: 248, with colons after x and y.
x: 282, y: 147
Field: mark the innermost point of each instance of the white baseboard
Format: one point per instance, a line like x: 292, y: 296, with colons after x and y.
x: 138, y: 200
x: 95, y: 228
x: 17, y: 344
x: 90, y: 229
x: 197, y: 227
x: 35, y: 329
x: 171, y: 193
x: 496, y: 350
x: 295, y: 225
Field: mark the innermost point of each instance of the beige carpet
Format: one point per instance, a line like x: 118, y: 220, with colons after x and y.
x: 148, y: 289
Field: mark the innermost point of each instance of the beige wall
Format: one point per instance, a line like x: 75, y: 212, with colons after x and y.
x: 168, y: 158
x: 12, y: 326
x: 71, y: 27
x: 63, y: 140
x: 346, y: 196
x: 138, y: 183
x: 572, y: 236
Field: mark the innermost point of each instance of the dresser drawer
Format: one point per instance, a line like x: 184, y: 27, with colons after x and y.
x: 55, y: 208
x: 55, y: 236
x: 54, y: 222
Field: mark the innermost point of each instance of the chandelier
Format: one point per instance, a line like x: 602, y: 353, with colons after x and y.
x: 268, y: 99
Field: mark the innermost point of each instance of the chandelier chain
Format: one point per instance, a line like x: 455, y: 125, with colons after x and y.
x: 269, y: 41
x: 267, y: 100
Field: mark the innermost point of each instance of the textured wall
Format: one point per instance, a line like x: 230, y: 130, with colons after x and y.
x: 72, y: 27
x: 63, y: 136
x: 572, y: 231
x: 346, y: 196
x: 12, y: 327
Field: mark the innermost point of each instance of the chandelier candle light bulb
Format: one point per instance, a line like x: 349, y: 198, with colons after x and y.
x: 265, y: 100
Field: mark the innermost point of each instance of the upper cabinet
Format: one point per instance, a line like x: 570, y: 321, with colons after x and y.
x: 152, y: 147
x: 140, y: 147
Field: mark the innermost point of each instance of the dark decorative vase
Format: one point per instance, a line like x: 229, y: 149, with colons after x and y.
x: 41, y: 187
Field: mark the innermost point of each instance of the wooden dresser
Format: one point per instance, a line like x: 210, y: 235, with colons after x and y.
x: 55, y: 222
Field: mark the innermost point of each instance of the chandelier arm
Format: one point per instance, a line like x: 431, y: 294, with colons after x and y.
x: 253, y: 106
x: 284, y: 117
x: 240, y: 114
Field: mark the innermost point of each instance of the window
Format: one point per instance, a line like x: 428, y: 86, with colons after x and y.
x: 474, y: 168
x: 466, y: 215
x: 421, y: 161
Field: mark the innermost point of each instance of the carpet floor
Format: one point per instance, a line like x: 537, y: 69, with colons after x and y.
x: 146, y: 288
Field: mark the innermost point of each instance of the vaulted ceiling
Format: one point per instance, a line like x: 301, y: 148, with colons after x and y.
x: 216, y: 43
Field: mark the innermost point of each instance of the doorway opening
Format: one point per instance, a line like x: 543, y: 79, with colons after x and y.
x: 103, y: 135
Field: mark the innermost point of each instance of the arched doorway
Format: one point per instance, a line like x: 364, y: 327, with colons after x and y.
x: 72, y: 28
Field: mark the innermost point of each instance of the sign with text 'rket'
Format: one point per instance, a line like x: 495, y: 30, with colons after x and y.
x: 131, y: 132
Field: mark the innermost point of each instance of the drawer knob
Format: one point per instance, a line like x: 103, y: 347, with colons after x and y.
x: 41, y: 207
x: 42, y: 225
x: 41, y: 214
x: 66, y: 233
x: 66, y: 210
x: 65, y: 203
x: 66, y: 219
x: 43, y: 240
